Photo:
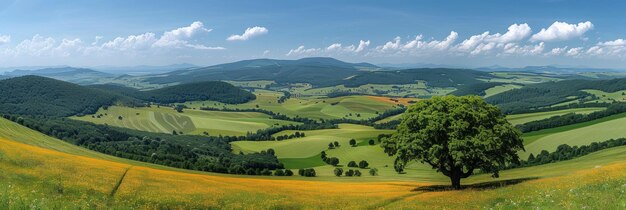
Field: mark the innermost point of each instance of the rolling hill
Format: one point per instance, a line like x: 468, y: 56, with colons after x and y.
x: 68, y: 74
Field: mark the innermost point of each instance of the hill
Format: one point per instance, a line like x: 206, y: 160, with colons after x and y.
x: 553, y: 93
x: 319, y: 72
x: 33, y: 179
x: 197, y: 91
x: 35, y: 95
x: 68, y: 74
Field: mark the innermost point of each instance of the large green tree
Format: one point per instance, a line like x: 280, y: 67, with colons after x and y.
x: 456, y: 136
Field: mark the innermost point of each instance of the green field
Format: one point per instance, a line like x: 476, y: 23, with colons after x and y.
x: 575, y: 135
x: 351, y: 107
x: 520, y: 78
x: 420, y: 89
x: 500, y: 89
x: 517, y: 119
x: 35, y: 177
x: 604, y: 97
x: 196, y: 122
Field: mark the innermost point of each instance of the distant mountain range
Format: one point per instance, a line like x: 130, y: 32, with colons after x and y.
x: 69, y: 74
x: 143, y: 69
x: 549, y: 69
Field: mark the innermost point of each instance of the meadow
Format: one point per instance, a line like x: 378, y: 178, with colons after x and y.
x: 196, y: 122
x: 516, y: 119
x: 43, y: 178
x: 350, y: 107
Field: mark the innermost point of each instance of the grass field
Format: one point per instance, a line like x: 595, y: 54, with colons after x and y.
x: 166, y: 120
x: 611, y: 127
x: 500, y: 89
x: 604, y: 97
x: 39, y: 175
x: 419, y: 89
x: 524, y: 118
x: 351, y: 107
x: 520, y: 78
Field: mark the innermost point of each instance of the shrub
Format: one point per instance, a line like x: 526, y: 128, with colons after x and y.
x: 374, y: 171
x: 363, y: 164
x: 357, y: 173
x: 338, y: 171
x: 350, y: 172
x: 279, y: 173
x: 352, y: 164
x: 288, y: 172
x: 372, y: 142
x: 353, y: 142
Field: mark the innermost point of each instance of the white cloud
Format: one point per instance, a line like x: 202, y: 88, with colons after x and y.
x: 574, y: 51
x: 333, y: 47
x: 132, y: 42
x: 557, y: 51
x: 36, y: 46
x: 68, y: 46
x: 524, y: 50
x: 5, y: 39
x: 362, y: 45
x: 178, y: 37
x: 487, y: 42
x: 302, y: 51
x: 562, y: 31
x: 417, y: 45
x: 97, y: 40
x: 609, y: 48
x: 266, y: 52
x: 249, y: 33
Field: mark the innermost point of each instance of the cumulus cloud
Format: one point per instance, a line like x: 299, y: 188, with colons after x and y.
x: 562, y: 31
x: 487, y: 42
x: 178, y: 37
x: 609, y: 48
x: 417, y: 45
x: 249, y: 33
x: 574, y: 51
x: 132, y: 42
x: 36, y: 46
x: 5, y: 39
x: 557, y: 51
x: 524, y: 49
x: 333, y: 49
x: 301, y: 50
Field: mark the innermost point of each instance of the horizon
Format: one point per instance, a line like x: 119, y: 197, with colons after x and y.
x: 452, y: 33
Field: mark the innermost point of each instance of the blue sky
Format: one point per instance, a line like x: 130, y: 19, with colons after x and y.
x: 459, y: 33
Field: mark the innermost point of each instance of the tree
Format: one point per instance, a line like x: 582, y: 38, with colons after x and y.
x: 288, y: 172
x: 279, y: 172
x: 336, y: 144
x: 363, y: 164
x: 357, y: 173
x: 350, y: 172
x: 331, y: 146
x: 372, y: 142
x: 174, y: 132
x: 353, y: 142
x: 338, y: 171
x: 333, y: 161
x: 179, y: 108
x: 455, y: 135
x: 374, y: 172
x: 352, y: 164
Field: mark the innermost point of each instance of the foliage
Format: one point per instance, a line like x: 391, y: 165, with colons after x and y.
x: 338, y: 171
x: 455, y: 135
x: 363, y: 164
x: 475, y: 89
x: 373, y: 172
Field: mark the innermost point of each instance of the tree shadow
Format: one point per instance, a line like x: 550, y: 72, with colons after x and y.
x: 477, y: 186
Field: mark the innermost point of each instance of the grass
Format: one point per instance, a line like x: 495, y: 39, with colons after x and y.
x: 166, y: 120
x: 575, y: 135
x: 34, y: 177
x: 517, y: 119
x: 500, y: 89
x: 351, y: 107
x: 419, y: 89
x: 605, y: 97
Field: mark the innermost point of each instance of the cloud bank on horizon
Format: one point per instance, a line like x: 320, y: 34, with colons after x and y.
x: 304, y: 33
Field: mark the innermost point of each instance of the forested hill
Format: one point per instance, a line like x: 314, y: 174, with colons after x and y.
x: 35, y: 95
x: 199, y: 91
x: 320, y: 72
x: 551, y: 93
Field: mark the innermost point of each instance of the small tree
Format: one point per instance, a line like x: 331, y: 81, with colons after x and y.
x: 338, y: 171
x: 352, y: 164
x: 174, y: 132
x: 333, y: 161
x: 301, y: 172
x: 288, y: 172
x: 350, y: 172
x: 279, y: 172
x: 357, y: 173
x: 336, y: 144
x: 363, y: 164
x: 371, y: 142
x: 331, y: 146
x: 373, y: 172
x: 353, y: 142
x: 120, y: 118
x: 455, y: 135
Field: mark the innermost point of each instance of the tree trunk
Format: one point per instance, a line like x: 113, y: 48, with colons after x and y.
x: 456, y: 181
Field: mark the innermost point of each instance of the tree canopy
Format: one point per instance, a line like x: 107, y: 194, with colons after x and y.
x: 456, y: 136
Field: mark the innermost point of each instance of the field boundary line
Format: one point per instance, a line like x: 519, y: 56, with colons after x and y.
x: 117, y: 186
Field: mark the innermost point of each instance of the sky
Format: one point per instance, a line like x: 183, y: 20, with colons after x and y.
x: 456, y: 33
